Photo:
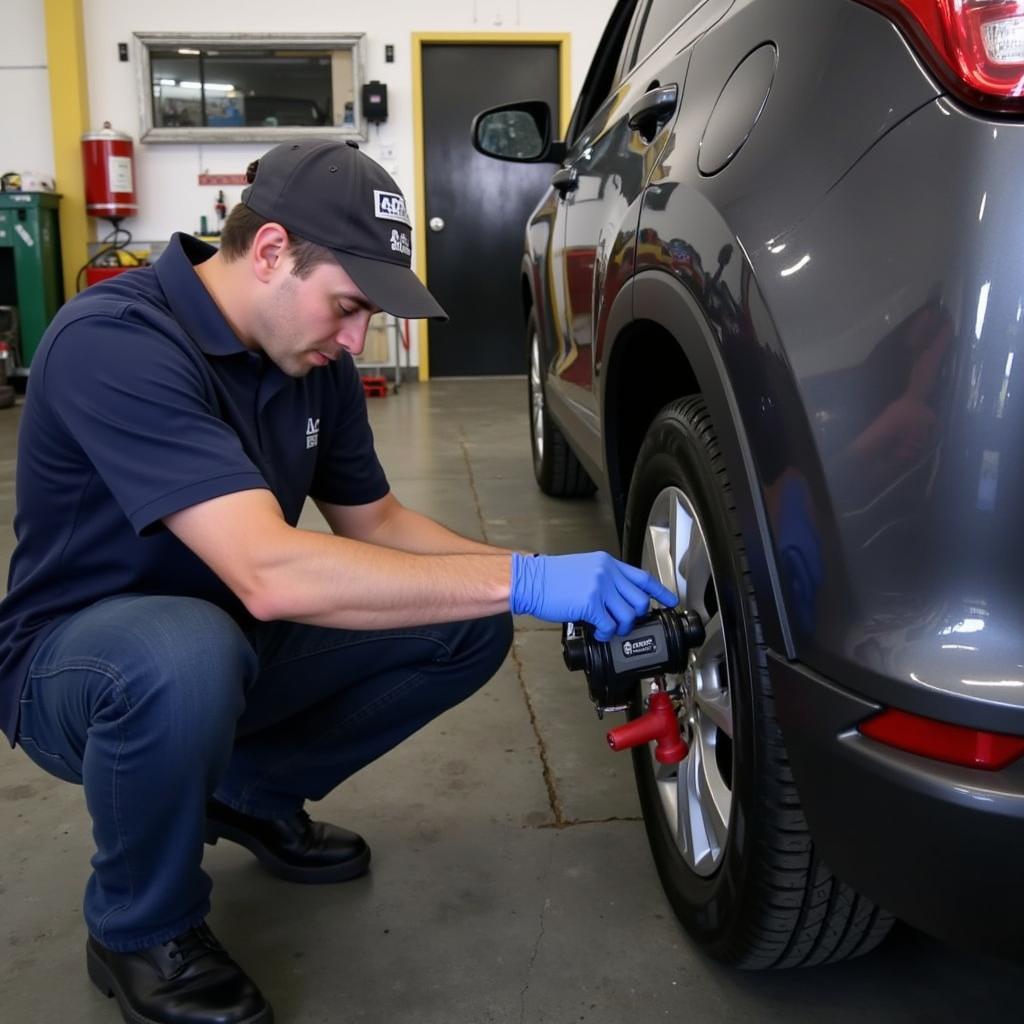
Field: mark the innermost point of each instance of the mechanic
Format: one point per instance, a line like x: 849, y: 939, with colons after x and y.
x: 171, y: 639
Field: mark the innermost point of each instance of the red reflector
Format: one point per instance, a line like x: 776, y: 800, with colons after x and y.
x: 942, y: 741
x: 976, y: 47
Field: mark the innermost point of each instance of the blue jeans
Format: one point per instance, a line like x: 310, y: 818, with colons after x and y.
x: 155, y: 703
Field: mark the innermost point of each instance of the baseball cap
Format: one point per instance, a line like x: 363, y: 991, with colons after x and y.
x: 333, y: 194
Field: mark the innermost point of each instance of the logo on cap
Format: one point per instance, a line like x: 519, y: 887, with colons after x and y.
x: 400, y: 242
x: 390, y: 206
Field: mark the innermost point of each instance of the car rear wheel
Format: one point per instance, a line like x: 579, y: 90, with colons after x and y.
x: 555, y: 466
x: 729, y: 839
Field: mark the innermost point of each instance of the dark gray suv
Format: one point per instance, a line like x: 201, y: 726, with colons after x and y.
x: 774, y: 296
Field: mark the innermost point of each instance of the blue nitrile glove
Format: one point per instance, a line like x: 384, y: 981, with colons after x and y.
x: 593, y: 586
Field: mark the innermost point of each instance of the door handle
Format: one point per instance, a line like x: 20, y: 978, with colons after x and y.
x: 565, y: 180
x: 652, y: 110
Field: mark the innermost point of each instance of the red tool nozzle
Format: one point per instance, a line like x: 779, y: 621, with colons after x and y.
x: 658, y: 723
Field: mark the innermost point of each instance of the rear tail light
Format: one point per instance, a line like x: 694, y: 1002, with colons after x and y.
x: 941, y: 741
x: 975, y: 47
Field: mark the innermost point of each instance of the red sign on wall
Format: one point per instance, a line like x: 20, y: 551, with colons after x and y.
x: 223, y: 179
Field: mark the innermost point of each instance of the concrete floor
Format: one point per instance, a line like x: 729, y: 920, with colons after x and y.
x: 511, y: 879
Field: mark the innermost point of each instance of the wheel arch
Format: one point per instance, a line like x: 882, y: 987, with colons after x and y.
x: 533, y: 300
x: 526, y: 290
x: 670, y: 353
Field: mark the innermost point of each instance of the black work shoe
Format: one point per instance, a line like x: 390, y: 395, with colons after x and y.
x: 189, y: 980
x: 297, y: 848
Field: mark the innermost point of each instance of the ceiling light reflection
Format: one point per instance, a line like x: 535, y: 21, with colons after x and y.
x: 993, y: 682
x: 799, y: 265
x: 979, y: 322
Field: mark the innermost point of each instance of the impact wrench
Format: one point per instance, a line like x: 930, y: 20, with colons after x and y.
x: 658, y: 645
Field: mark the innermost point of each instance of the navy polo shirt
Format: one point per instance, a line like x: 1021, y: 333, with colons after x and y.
x: 143, y: 402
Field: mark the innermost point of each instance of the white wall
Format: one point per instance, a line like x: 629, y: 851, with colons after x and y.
x: 26, y: 135
x: 166, y: 173
x: 170, y: 199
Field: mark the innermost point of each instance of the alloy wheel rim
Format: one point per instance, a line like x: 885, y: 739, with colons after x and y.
x: 536, y: 399
x: 696, y: 794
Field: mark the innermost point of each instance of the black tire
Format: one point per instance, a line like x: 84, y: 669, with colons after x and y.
x: 558, y: 471
x: 768, y: 900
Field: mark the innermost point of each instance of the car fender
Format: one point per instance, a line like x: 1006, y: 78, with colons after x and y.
x: 536, y: 270
x: 668, y: 305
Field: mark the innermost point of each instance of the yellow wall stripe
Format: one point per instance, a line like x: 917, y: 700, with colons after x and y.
x: 421, y: 193
x: 69, y: 106
x: 419, y: 39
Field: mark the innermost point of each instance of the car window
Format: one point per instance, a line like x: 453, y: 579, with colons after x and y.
x: 660, y: 18
x: 628, y: 58
x: 601, y: 75
x: 639, y: 20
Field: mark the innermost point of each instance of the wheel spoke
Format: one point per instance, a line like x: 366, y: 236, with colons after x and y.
x: 708, y: 802
x: 693, y: 826
x: 657, y: 555
x: 682, y: 529
x: 712, y: 650
x: 715, y: 798
x: 697, y: 570
x: 716, y: 705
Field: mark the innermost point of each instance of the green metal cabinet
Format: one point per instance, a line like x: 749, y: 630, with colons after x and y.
x: 31, y: 277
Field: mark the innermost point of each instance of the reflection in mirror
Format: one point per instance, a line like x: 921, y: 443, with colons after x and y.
x: 267, y: 87
x: 510, y: 133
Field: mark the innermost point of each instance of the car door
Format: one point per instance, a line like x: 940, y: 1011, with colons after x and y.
x: 597, y: 124
x: 671, y: 56
x: 610, y: 157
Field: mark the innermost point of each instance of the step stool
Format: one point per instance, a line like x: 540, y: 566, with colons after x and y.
x: 375, y: 387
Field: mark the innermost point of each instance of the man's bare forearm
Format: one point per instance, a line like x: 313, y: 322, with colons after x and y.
x: 281, y: 572
x: 333, y: 581
x: 408, y: 530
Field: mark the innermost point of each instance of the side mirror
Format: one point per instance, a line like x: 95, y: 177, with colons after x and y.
x: 519, y: 132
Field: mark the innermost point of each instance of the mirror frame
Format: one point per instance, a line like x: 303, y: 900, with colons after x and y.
x: 144, y: 42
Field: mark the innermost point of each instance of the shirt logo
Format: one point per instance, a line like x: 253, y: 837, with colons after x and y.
x: 400, y: 243
x: 390, y: 206
x: 312, y: 432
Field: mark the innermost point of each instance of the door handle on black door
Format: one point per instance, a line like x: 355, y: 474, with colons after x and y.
x: 652, y: 110
x: 565, y: 180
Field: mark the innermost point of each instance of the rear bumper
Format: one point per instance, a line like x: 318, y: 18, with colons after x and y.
x: 937, y: 845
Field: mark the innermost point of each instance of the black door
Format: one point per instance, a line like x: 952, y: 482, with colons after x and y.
x: 473, y: 260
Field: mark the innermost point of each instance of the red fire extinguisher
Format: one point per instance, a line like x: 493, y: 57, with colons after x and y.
x: 107, y: 159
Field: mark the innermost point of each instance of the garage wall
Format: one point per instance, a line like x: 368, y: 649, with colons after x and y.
x: 26, y: 137
x: 170, y: 198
